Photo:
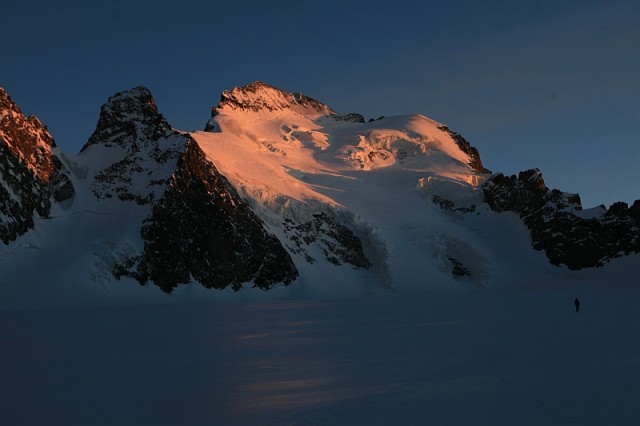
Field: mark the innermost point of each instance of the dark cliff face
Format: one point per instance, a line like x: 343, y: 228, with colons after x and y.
x: 552, y: 216
x: 201, y: 228
x: 33, y: 175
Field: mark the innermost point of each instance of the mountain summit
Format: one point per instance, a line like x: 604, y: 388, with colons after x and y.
x: 259, y: 96
x: 282, y: 193
x: 129, y: 117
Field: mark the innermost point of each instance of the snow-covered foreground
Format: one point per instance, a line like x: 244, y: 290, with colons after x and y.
x: 506, y: 358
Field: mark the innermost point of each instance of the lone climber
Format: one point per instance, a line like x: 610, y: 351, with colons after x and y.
x: 577, y: 303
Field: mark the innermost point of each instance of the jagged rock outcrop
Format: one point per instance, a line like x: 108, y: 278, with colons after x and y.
x: 337, y: 243
x: 259, y: 96
x: 131, y: 120
x: 31, y: 174
x: 353, y: 117
x: 198, y: 228
x: 555, y: 224
x: 450, y: 206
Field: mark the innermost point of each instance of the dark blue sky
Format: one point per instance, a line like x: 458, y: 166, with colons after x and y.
x: 547, y: 84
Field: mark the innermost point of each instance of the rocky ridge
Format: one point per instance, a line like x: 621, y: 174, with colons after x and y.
x: 556, y: 225
x: 32, y: 174
x: 259, y: 96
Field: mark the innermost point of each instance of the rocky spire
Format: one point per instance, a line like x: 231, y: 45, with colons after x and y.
x: 128, y: 119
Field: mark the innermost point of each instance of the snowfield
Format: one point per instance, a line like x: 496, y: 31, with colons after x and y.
x: 505, y: 358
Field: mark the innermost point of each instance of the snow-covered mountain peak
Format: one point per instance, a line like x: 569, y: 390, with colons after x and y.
x: 293, y: 125
x: 128, y: 118
x: 133, y: 149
